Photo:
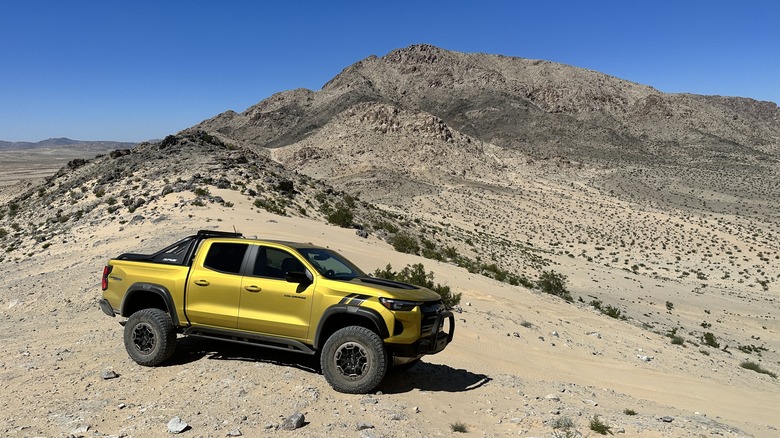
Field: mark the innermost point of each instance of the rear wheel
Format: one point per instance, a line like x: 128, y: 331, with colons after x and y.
x: 354, y: 360
x: 150, y: 337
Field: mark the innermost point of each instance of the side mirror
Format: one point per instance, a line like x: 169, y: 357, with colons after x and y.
x: 298, y: 277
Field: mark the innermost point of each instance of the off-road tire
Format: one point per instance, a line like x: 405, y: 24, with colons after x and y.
x: 354, y: 360
x: 150, y: 337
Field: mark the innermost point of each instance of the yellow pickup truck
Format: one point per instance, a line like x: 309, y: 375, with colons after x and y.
x: 281, y: 295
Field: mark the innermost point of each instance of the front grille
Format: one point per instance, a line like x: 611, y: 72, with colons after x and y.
x: 429, y: 312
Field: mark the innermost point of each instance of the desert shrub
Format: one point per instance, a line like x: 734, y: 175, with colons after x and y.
x: 554, y: 283
x: 415, y: 274
x: 564, y: 427
x: 709, y: 340
x: 459, y: 427
x: 628, y: 411
x: 599, y: 427
x: 3, y: 233
x: 405, y: 243
x: 750, y: 349
x: 753, y: 366
x: 387, y: 226
x: 271, y: 206
x: 612, y: 312
x: 286, y: 186
x: 341, y: 216
x: 99, y: 192
x: 201, y: 191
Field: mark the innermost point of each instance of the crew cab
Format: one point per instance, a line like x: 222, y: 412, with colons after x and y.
x: 281, y: 295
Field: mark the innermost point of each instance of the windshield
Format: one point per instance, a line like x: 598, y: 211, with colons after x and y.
x: 331, y: 264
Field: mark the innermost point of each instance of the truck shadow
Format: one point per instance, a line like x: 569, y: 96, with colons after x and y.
x: 192, y: 350
x: 432, y: 377
x: 424, y: 376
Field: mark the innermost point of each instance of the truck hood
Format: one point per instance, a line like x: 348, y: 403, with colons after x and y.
x: 394, y: 289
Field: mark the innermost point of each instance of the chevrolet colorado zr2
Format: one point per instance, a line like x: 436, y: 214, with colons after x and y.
x: 281, y: 295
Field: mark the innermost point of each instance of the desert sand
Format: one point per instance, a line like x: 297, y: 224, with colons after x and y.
x: 521, y: 361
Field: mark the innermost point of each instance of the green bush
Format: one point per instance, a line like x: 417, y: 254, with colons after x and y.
x: 748, y: 365
x: 271, y: 206
x: 415, y: 274
x: 459, y: 427
x: 554, y: 283
x: 709, y: 340
x: 341, y: 216
x: 405, y: 243
x: 599, y: 427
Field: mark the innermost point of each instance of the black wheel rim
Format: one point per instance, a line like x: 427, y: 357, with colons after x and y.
x: 351, y: 360
x: 143, y: 338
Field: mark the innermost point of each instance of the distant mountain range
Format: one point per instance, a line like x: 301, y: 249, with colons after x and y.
x: 65, y: 142
x: 536, y: 107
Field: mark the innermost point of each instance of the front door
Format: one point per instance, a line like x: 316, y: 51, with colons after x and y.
x: 269, y: 303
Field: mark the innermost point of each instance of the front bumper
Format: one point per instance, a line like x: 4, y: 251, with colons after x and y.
x: 429, y: 343
x: 438, y: 339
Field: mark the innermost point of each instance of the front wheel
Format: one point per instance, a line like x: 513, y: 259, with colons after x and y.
x: 150, y: 337
x: 354, y: 360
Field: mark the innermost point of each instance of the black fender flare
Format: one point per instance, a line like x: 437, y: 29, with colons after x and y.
x: 156, y: 289
x: 362, y: 312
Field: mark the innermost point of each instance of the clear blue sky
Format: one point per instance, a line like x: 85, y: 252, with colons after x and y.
x: 138, y: 70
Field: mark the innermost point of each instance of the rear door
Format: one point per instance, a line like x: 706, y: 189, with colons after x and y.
x: 270, y: 304
x: 214, y: 284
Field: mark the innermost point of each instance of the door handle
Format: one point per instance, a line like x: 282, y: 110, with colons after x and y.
x: 252, y: 288
x: 202, y: 282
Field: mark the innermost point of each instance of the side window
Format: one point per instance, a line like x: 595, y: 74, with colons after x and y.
x: 275, y: 263
x: 226, y: 257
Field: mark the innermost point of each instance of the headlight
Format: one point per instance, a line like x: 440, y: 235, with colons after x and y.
x: 399, y: 304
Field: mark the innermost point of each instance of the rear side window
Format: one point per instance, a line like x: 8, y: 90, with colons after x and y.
x: 226, y: 257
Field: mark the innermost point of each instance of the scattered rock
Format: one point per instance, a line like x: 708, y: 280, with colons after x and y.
x: 667, y: 419
x: 234, y: 432
x: 368, y: 400
x: 108, y: 375
x: 364, y: 426
x: 294, y: 421
x: 177, y: 425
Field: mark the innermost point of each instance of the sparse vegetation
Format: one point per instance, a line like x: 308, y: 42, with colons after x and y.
x: 403, y: 242
x: 271, y: 206
x: 599, y: 426
x: 415, y: 274
x: 459, y: 427
x: 709, y: 340
x: 342, y: 216
x: 564, y: 427
x: 554, y: 283
x: 628, y: 411
x: 753, y: 366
